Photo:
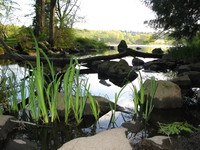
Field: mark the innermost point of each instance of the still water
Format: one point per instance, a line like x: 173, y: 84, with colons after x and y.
x: 53, y: 138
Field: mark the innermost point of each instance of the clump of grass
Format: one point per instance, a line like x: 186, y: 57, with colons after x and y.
x: 114, y: 107
x: 143, y: 104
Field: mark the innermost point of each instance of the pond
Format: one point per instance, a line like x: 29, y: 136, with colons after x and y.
x: 56, y: 134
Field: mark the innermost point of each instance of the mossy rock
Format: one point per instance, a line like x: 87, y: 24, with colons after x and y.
x: 122, y: 46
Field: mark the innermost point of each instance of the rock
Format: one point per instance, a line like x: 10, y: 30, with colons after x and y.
x: 183, y: 68
x: 118, y: 73
x: 194, y: 78
x: 156, y: 65
x: 6, y: 125
x: 157, y: 51
x: 122, y: 46
x: 195, y: 67
x: 184, y: 82
x: 160, y: 65
x: 114, y: 139
x: 167, y: 95
x: 18, y: 144
x: 138, y: 48
x: 155, y: 143
x: 133, y: 126
x: 103, y: 103
x: 166, y: 116
x: 137, y: 62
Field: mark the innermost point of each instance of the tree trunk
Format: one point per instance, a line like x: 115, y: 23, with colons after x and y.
x: 40, y: 17
x: 52, y: 22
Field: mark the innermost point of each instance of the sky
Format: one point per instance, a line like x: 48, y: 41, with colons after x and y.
x: 123, y: 15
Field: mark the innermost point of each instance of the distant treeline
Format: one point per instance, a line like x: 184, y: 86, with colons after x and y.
x: 114, y: 37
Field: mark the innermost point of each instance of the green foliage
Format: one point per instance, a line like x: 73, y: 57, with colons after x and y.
x: 180, y: 18
x: 114, y: 37
x: 143, y: 104
x: 189, y: 53
x: 64, y: 37
x: 176, y: 128
x: 86, y: 43
x: 114, y: 107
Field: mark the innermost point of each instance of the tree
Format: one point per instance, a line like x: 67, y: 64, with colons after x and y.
x: 67, y: 12
x: 40, y: 17
x: 52, y: 22
x: 6, y: 11
x: 181, y: 18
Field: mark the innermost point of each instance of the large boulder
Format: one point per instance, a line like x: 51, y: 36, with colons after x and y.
x: 194, y: 78
x: 155, y: 143
x: 103, y: 103
x: 122, y: 46
x: 6, y: 125
x: 133, y: 126
x: 184, y: 82
x: 137, y: 62
x: 114, y: 139
x: 167, y: 95
x: 117, y: 72
x: 157, y: 51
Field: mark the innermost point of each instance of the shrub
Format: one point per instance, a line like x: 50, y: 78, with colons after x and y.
x: 86, y: 43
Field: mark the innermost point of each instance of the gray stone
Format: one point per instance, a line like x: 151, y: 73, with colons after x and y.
x: 137, y: 62
x: 183, y: 68
x: 117, y: 72
x: 157, y: 51
x: 195, y: 67
x: 167, y: 95
x: 6, y: 125
x: 155, y: 143
x: 18, y: 144
x: 194, y: 77
x: 122, y: 46
x: 114, y: 139
x: 133, y: 126
x: 103, y: 103
x: 182, y: 81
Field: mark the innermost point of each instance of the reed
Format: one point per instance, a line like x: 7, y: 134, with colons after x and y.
x: 39, y: 82
x: 143, y: 104
x: 94, y: 106
x: 68, y: 87
x: 80, y: 96
x: 149, y: 103
x: 12, y: 81
x: 32, y: 105
x: 114, y: 107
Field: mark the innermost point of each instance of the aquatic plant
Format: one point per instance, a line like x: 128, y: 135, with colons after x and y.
x: 176, y: 128
x: 144, y: 103
x: 149, y: 103
x: 114, y: 107
x: 94, y: 106
x: 12, y: 81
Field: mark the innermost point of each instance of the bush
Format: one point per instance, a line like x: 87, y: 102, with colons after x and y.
x: 189, y: 53
x: 86, y: 43
x: 64, y: 38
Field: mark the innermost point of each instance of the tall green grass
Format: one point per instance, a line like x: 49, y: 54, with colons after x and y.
x: 114, y: 107
x: 143, y: 101
x: 43, y: 92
